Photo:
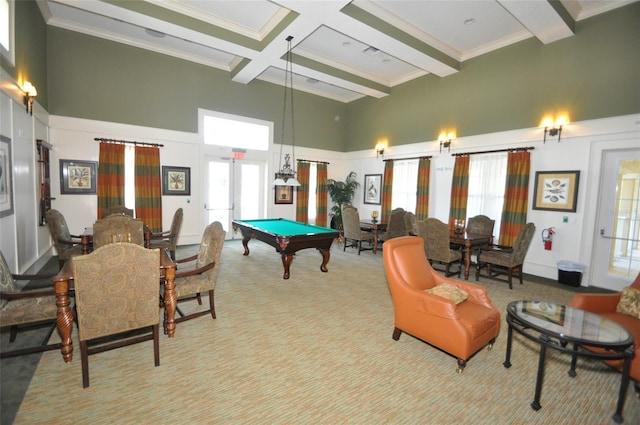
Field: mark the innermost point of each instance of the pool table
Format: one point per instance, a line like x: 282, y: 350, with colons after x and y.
x: 287, y: 237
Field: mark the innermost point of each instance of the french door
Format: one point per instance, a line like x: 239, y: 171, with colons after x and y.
x: 617, y: 244
x: 234, y: 189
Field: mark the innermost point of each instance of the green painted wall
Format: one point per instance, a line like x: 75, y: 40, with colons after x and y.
x: 103, y: 80
x: 593, y: 74
x: 30, y: 47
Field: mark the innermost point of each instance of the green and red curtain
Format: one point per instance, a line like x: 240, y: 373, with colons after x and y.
x: 302, y: 192
x: 422, y: 196
x: 387, y: 189
x: 321, y: 195
x: 459, y: 190
x: 516, y: 196
x: 110, y: 176
x: 148, y: 187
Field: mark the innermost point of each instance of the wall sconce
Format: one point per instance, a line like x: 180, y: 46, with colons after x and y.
x: 30, y: 93
x: 445, y: 140
x: 380, y: 147
x: 554, y: 128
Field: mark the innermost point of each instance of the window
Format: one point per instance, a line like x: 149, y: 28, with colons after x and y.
x: 236, y: 132
x: 405, y: 184
x: 487, y: 178
x: 313, y: 188
x: 7, y: 35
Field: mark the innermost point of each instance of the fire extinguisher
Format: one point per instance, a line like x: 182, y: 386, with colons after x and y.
x: 547, y: 238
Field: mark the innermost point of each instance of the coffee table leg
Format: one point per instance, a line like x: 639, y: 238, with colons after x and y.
x: 624, y: 384
x: 543, y: 354
x: 507, y: 360
x: 574, y: 359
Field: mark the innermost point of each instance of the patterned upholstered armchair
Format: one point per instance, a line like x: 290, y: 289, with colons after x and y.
x: 130, y: 303
x: 169, y: 238
x: 352, y: 232
x: 118, y: 228
x: 481, y: 224
x: 410, y: 223
x: 500, y: 260
x: 436, y: 244
x: 192, y: 282
x: 118, y: 209
x: 26, y: 308
x: 65, y: 243
x: 396, y: 226
x: 455, y: 316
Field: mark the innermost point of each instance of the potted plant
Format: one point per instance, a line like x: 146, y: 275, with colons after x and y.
x: 341, y: 193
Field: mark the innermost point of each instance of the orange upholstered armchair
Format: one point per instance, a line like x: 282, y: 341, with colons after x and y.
x: 460, y: 329
x: 606, y: 305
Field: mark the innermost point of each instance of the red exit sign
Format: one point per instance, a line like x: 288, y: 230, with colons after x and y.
x: 238, y: 155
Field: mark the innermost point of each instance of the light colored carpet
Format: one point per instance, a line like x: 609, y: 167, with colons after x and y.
x: 317, y: 349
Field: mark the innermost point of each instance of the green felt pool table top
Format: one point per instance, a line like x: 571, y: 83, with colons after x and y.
x: 285, y: 227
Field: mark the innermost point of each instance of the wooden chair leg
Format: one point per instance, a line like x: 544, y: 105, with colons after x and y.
x: 199, y: 298
x: 211, y: 305
x: 84, y: 358
x: 13, y: 333
x: 396, y: 334
x: 156, y: 345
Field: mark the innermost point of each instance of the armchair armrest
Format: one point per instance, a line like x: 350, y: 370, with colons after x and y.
x: 32, y: 277
x: 29, y: 293
x: 186, y: 260
x: 71, y: 242
x: 435, y: 305
x: 596, y: 303
x: 160, y: 235
x: 196, y: 271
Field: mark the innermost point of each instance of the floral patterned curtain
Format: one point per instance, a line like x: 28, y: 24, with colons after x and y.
x: 302, y: 193
x: 148, y: 187
x: 387, y: 188
x: 516, y: 196
x: 321, y: 195
x: 459, y: 190
x: 110, y: 176
x: 422, y: 197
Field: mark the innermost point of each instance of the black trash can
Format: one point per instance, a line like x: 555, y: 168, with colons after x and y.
x: 570, y: 273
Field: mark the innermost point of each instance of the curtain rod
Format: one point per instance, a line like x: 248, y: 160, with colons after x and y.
x: 309, y: 160
x: 100, y: 139
x: 407, y: 159
x: 530, y: 148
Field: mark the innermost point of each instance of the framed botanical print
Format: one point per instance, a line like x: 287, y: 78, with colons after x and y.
x: 78, y: 177
x: 372, y: 188
x: 6, y: 176
x: 556, y: 190
x: 176, y: 180
x: 283, y: 194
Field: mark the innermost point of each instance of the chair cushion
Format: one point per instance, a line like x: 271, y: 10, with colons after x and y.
x: 629, y: 302
x: 449, y: 291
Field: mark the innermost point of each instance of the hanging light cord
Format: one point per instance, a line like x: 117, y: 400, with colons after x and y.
x: 288, y: 89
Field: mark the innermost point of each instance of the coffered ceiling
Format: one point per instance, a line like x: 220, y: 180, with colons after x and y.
x: 341, y: 49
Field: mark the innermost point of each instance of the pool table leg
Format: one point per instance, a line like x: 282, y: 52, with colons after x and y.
x: 326, y: 254
x: 286, y: 262
x: 245, y: 244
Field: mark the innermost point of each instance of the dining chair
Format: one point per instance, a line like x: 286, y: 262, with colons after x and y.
x: 396, y: 226
x: 65, y: 243
x: 435, y: 234
x: 26, y: 308
x: 481, y: 224
x: 118, y: 209
x: 410, y: 223
x: 201, y: 272
x: 353, y: 235
x: 500, y: 260
x: 169, y: 239
x: 116, y: 293
x: 118, y: 228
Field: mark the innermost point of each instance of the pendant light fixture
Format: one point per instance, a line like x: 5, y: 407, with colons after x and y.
x: 287, y: 174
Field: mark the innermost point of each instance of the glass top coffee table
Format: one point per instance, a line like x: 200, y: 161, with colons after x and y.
x: 572, y: 331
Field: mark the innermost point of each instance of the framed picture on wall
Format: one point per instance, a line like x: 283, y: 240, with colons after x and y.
x: 283, y: 194
x: 6, y: 175
x: 556, y: 190
x: 176, y: 180
x: 78, y: 177
x: 372, y: 188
